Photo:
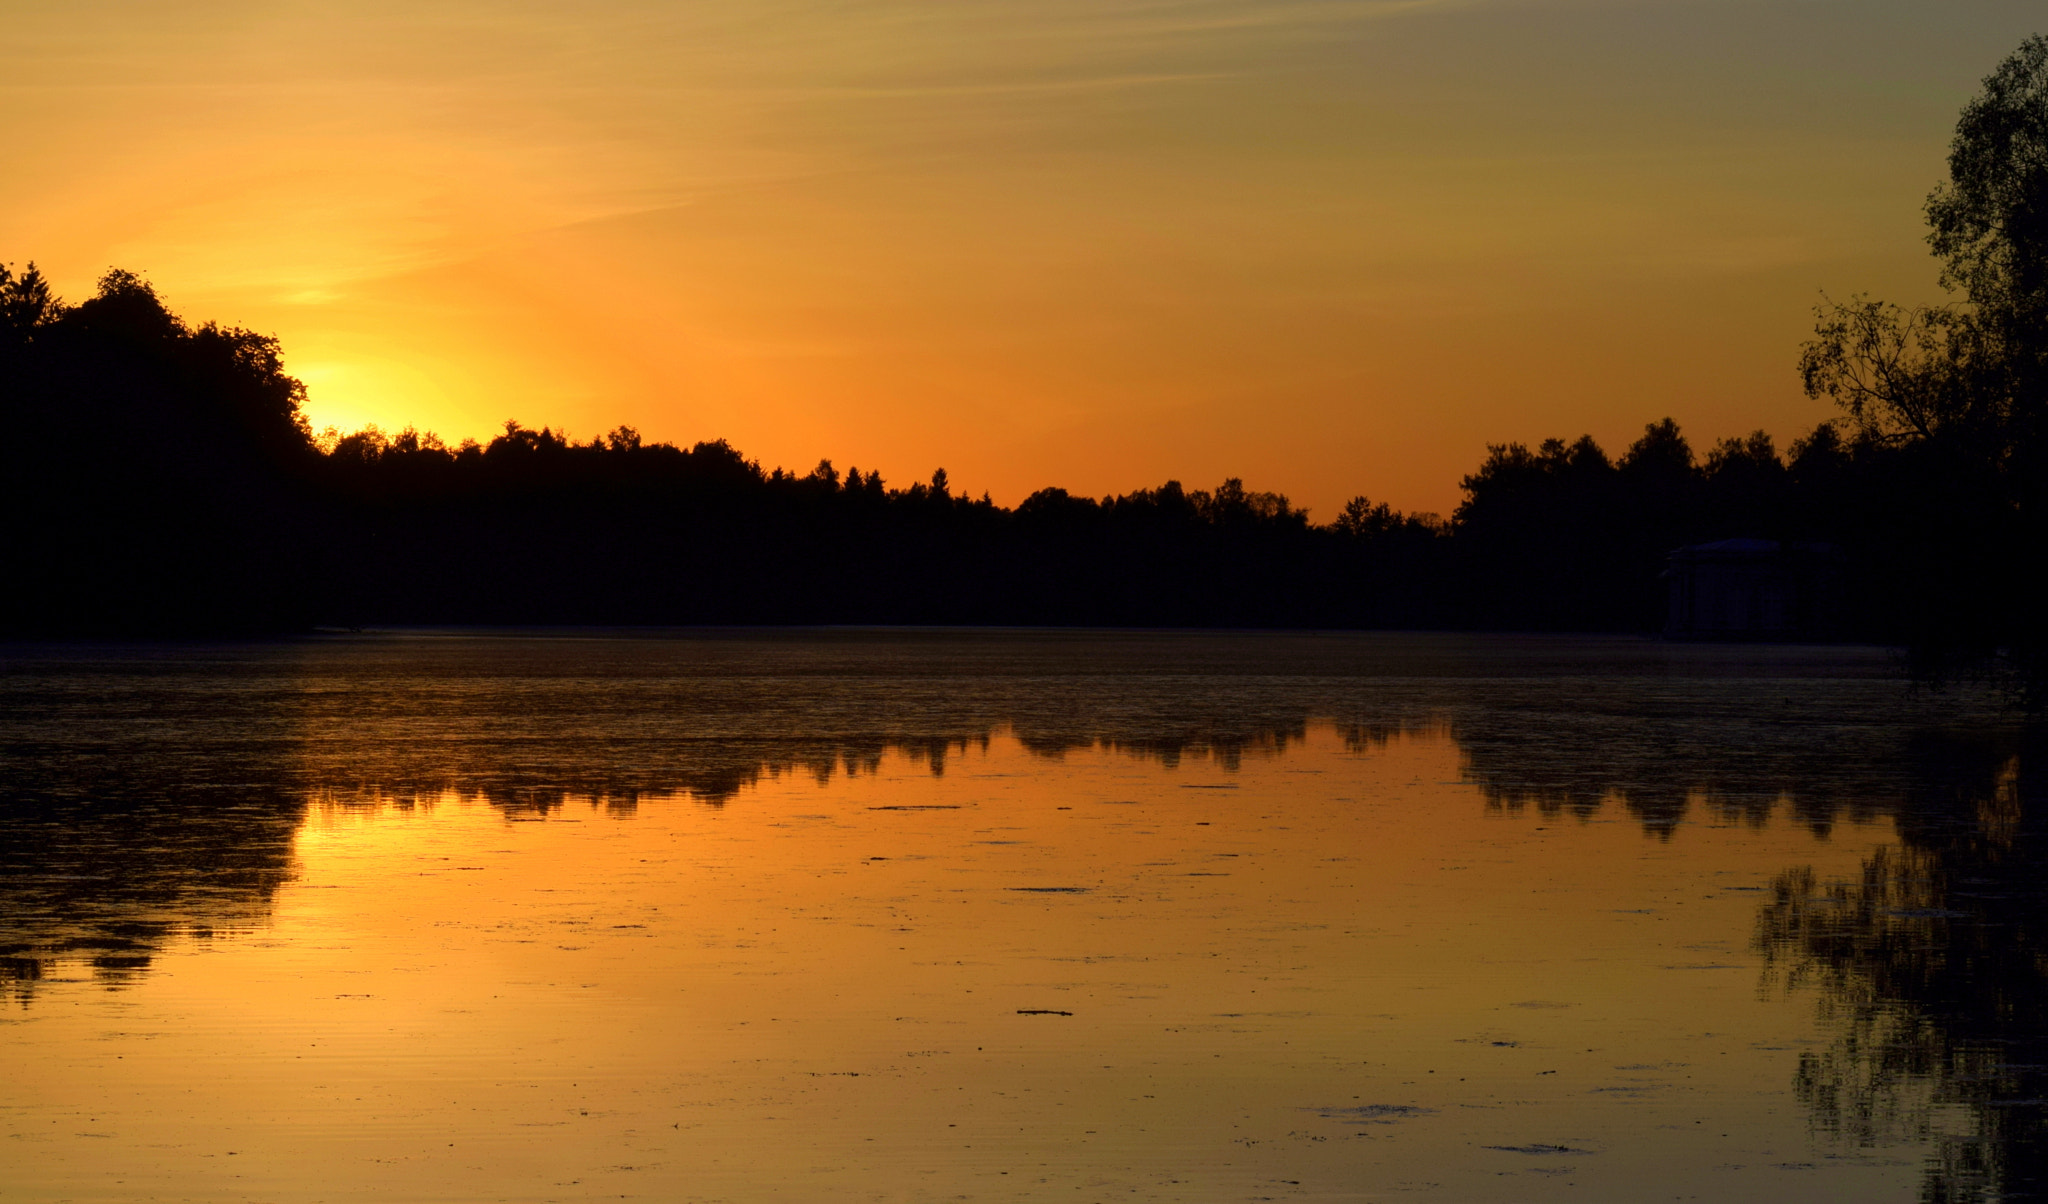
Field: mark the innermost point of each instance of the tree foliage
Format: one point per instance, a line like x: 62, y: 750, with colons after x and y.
x: 159, y: 477
x: 1959, y: 392
x: 149, y: 470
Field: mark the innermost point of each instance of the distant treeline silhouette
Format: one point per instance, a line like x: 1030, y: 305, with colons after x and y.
x: 162, y: 478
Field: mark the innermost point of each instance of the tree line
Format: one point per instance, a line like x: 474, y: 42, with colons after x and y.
x: 160, y: 477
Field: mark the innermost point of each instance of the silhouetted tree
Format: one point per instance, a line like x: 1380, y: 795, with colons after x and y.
x: 149, y: 470
x: 161, y: 478
x: 1958, y: 394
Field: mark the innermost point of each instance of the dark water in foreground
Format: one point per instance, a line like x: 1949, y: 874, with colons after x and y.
x: 1075, y: 916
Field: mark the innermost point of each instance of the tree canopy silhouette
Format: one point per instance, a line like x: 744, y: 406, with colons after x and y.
x: 160, y: 478
x: 1958, y: 393
x: 149, y: 469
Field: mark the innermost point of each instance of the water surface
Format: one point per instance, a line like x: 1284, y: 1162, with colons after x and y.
x: 945, y: 915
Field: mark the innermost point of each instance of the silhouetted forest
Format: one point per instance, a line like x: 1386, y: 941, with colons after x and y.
x: 161, y: 478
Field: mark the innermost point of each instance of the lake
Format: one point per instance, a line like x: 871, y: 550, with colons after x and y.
x: 956, y: 915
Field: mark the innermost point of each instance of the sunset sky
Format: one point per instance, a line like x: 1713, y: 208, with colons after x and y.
x: 1330, y: 246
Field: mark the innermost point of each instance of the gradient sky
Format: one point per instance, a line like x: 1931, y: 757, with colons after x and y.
x: 1330, y: 246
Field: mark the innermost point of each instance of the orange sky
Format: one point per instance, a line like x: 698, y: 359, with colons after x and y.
x: 1330, y: 246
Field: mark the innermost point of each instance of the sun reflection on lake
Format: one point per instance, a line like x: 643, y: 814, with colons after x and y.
x: 1306, y: 956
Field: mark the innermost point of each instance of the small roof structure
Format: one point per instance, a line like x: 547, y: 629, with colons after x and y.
x: 1752, y: 589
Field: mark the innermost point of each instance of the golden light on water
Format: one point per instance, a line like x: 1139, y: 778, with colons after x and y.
x: 1325, y: 967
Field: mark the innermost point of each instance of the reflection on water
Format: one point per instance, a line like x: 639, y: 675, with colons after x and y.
x: 1932, y: 967
x: 153, y: 798
x: 108, y: 882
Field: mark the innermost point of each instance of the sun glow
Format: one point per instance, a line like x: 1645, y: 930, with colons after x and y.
x: 1328, y: 248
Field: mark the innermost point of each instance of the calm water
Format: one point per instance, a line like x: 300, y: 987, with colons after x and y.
x: 994, y: 916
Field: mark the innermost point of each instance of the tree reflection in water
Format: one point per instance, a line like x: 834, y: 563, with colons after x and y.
x: 107, y: 881
x: 1932, y: 970
x: 151, y: 792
